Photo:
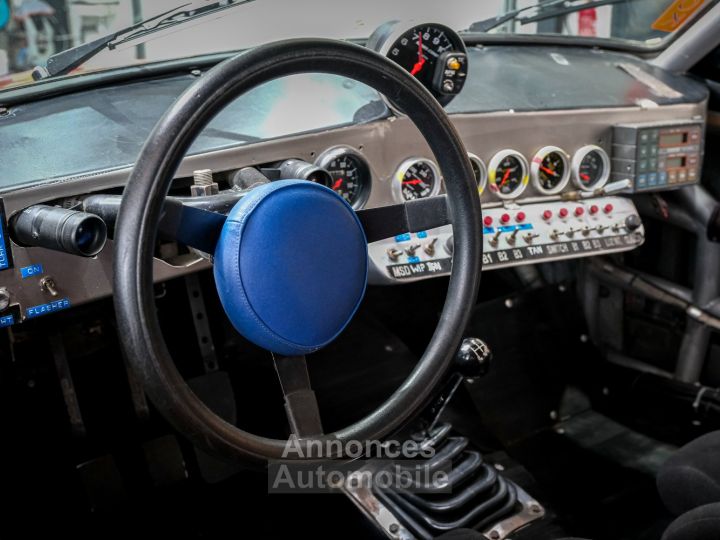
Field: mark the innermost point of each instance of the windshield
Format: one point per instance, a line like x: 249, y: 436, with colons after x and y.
x: 31, y: 31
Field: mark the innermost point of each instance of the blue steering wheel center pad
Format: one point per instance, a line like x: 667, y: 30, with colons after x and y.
x: 291, y: 266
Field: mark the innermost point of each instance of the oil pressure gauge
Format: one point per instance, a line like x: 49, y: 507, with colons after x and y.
x: 508, y: 174
x: 416, y: 178
x: 550, y: 170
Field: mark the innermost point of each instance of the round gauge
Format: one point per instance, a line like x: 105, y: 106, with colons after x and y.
x: 434, y: 54
x: 480, y: 172
x: 591, y: 167
x: 416, y: 178
x: 550, y: 170
x: 350, y: 174
x: 508, y: 174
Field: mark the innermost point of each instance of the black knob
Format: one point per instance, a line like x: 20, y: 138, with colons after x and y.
x: 473, y: 358
x: 632, y: 222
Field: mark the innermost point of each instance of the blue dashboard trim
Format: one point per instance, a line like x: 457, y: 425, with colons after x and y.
x: 46, y: 309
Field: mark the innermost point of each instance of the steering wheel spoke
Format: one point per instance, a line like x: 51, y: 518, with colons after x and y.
x: 301, y: 405
x: 195, y: 227
x: 412, y: 216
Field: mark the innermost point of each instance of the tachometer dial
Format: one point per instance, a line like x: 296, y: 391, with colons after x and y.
x: 480, y: 172
x: 416, y: 178
x: 549, y: 170
x: 591, y: 167
x: 432, y: 53
x: 508, y: 174
x: 350, y: 174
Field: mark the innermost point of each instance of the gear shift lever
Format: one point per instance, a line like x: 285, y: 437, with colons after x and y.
x: 472, y: 361
x: 473, y: 358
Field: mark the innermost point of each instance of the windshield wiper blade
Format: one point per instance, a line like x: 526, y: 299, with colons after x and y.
x: 64, y: 62
x: 567, y: 7
x: 565, y: 10
x: 493, y: 22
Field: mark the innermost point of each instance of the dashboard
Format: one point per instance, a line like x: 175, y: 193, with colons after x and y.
x: 560, y: 139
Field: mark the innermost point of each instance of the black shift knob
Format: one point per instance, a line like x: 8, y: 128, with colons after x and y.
x: 473, y: 358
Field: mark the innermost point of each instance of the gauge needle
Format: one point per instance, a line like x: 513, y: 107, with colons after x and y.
x: 548, y: 171
x: 584, y: 176
x: 505, y: 177
x: 338, y: 183
x: 413, y: 182
x: 421, y: 59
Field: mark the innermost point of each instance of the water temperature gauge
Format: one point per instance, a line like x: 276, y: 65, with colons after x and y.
x: 591, y: 167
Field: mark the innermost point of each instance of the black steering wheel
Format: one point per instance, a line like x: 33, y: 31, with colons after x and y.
x: 261, y: 217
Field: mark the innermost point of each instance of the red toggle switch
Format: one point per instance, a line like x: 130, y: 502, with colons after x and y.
x: 608, y: 208
x: 579, y: 211
x: 594, y: 209
x: 488, y: 220
x: 563, y: 212
x: 547, y: 214
x: 505, y: 218
x: 520, y: 217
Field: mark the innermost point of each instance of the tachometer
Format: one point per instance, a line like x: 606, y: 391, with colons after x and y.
x: 432, y: 53
x: 591, y: 167
x: 549, y: 170
x: 350, y: 174
x: 416, y: 178
x: 508, y: 174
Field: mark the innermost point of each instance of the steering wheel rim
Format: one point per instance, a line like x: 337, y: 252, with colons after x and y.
x: 142, y: 207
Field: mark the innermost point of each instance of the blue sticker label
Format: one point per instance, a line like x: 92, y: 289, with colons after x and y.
x: 513, y: 228
x: 32, y: 270
x: 4, y: 260
x: 422, y: 234
x: 7, y: 320
x: 403, y: 237
x: 413, y: 259
x: 46, y: 309
x: 488, y: 230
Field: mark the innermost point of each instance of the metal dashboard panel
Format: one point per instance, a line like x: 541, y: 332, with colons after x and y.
x: 485, y: 122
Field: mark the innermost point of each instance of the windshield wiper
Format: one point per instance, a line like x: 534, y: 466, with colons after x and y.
x: 567, y: 6
x: 493, y: 22
x: 64, y: 62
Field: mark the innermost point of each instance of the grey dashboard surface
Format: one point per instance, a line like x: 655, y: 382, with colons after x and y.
x: 104, y: 128
x: 545, y: 78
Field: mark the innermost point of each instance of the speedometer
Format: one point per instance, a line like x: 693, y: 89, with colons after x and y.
x: 416, y: 178
x: 434, y: 54
x: 350, y: 174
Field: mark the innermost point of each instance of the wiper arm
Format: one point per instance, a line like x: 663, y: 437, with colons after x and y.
x: 64, y: 62
x: 493, y: 22
x: 568, y: 6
